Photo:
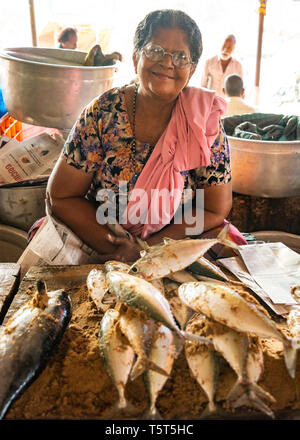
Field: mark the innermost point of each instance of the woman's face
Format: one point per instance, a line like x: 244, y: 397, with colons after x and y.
x: 161, y: 78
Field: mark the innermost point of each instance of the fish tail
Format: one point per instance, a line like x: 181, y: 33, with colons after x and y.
x: 152, y: 414
x: 195, y: 338
x: 138, y: 368
x: 178, y: 344
x: 291, y: 347
x: 142, y: 364
x: 210, y: 409
x: 120, y: 407
x: 223, y: 238
x: 245, y: 393
x: 251, y: 399
x: 41, y: 287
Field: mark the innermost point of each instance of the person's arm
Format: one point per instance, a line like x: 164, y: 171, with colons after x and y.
x: 66, y: 191
x: 204, y: 79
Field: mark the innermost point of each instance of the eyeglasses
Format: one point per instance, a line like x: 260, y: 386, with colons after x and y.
x: 156, y: 53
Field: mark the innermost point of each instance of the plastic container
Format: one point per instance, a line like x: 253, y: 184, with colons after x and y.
x: 2, y: 105
x: 11, y: 127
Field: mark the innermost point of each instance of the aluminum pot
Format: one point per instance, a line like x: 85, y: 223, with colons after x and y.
x: 13, y: 241
x: 265, y: 168
x: 21, y: 206
x: 49, y: 87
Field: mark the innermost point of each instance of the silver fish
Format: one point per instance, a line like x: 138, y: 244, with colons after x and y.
x: 176, y: 255
x: 293, y: 323
x: 206, y: 268
x: 138, y: 329
x: 162, y: 353
x: 226, y: 306
x: 97, y: 288
x: 142, y: 295
x: 181, y: 311
x: 116, y: 265
x: 117, y: 356
x: 234, y: 347
x: 28, y: 340
x: 203, y: 363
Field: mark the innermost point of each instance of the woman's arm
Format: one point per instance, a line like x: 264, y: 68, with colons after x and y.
x: 66, y: 191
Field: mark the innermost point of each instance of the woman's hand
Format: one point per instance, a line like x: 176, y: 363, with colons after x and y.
x: 127, y: 250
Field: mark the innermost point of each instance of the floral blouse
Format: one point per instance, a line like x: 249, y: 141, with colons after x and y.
x: 99, y: 143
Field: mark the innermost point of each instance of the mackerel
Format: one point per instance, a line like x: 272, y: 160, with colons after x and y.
x: 142, y: 295
x: 224, y: 305
x: 175, y: 255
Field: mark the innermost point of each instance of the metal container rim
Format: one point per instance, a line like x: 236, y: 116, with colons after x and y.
x: 264, y: 142
x: 5, y: 56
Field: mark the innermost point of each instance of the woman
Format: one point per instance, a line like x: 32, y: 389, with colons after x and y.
x: 114, y: 138
x: 68, y: 38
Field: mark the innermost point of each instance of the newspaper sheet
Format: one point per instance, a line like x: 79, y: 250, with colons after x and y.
x: 29, y: 159
x: 275, y: 268
x: 237, y: 267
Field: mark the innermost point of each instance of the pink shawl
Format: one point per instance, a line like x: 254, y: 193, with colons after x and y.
x: 184, y: 145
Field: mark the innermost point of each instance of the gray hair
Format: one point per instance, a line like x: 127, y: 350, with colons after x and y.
x: 169, y: 18
x: 233, y: 85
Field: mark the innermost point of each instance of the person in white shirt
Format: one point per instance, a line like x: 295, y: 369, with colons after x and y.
x: 235, y: 95
x: 218, y: 67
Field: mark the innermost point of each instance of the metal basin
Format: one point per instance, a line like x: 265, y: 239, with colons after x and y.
x: 21, y: 206
x: 265, y: 168
x: 49, y: 87
x: 13, y: 241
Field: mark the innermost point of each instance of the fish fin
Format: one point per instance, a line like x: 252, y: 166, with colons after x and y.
x: 290, y: 355
x: 195, y: 338
x: 178, y: 344
x: 143, y: 364
x: 248, y: 394
x: 152, y: 414
x: 120, y: 407
x: 144, y: 245
x: 222, y: 237
x: 251, y: 399
x: 210, y: 409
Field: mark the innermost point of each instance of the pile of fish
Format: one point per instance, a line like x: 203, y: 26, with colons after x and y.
x: 28, y: 340
x: 173, y: 298
x: 95, y: 57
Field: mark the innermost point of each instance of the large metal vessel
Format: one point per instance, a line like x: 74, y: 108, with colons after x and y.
x: 49, y: 87
x: 265, y: 168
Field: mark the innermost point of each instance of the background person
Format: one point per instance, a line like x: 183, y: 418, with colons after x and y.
x: 138, y: 133
x: 218, y: 67
x: 235, y: 95
x: 68, y: 38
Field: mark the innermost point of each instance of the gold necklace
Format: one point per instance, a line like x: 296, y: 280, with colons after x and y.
x: 133, y: 143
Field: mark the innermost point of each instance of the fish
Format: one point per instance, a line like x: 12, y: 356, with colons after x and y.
x: 202, y: 266
x: 117, y: 357
x: 138, y: 329
x: 234, y: 347
x: 115, y: 265
x: 95, y: 57
x: 181, y: 311
x: 29, y: 339
x: 162, y: 352
x: 142, y: 295
x: 175, y: 255
x: 293, y: 323
x: 224, y: 305
x: 97, y: 288
x: 204, y: 365
x: 182, y: 276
